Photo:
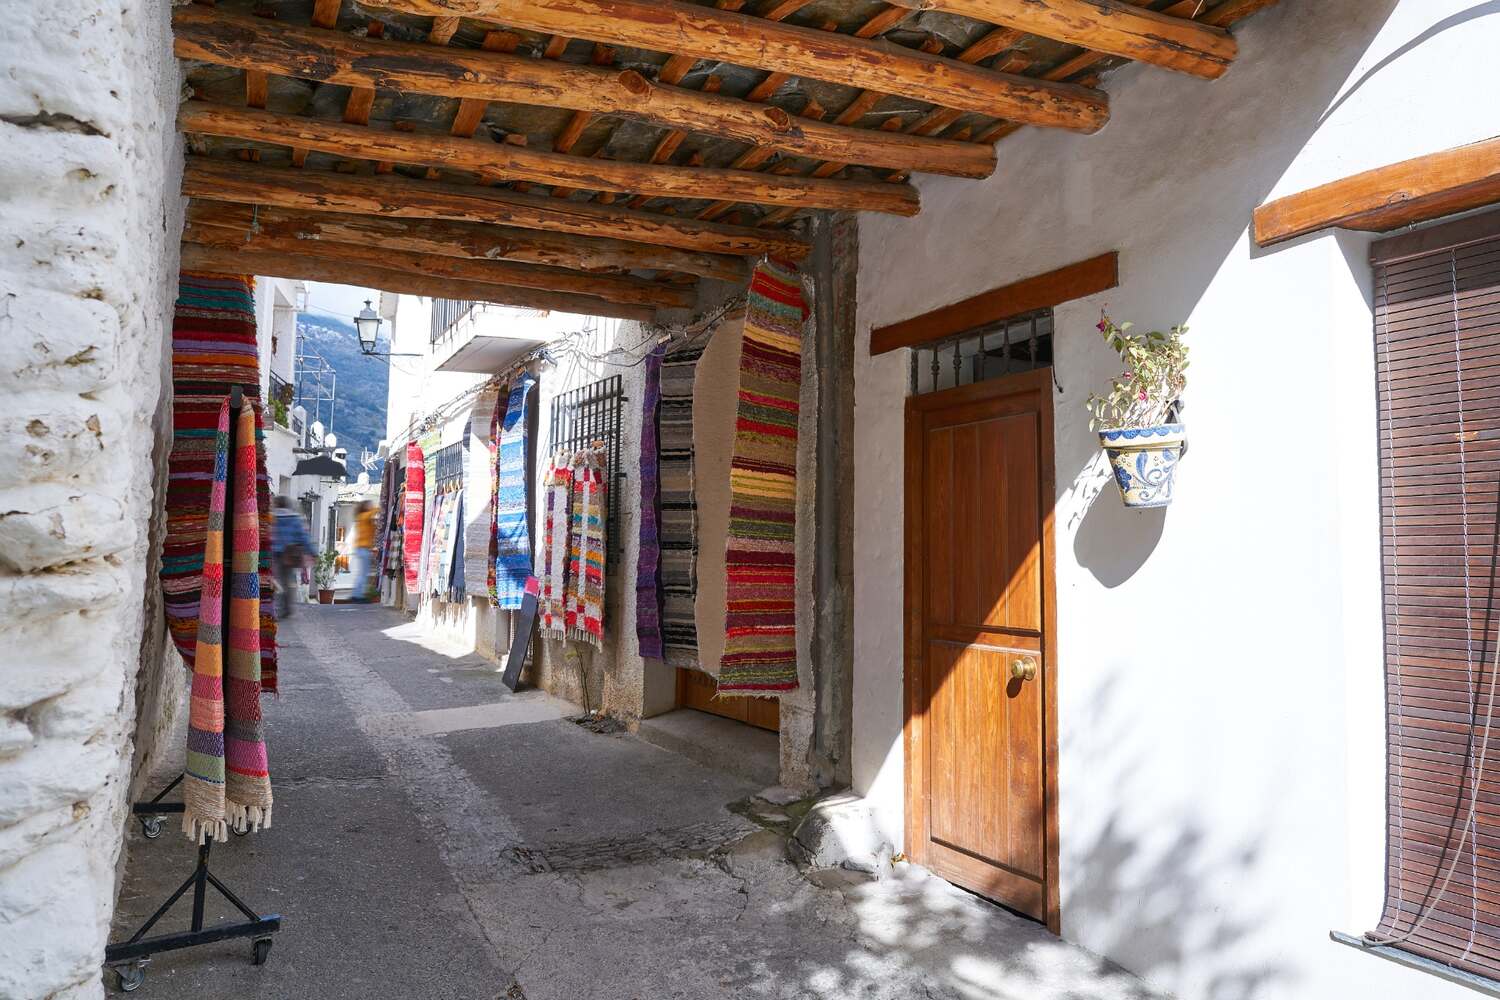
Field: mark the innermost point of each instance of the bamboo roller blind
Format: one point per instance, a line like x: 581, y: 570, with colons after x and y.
x: 1437, y: 343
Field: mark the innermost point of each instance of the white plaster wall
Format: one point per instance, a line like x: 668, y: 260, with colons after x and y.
x: 89, y: 220
x: 1220, y: 702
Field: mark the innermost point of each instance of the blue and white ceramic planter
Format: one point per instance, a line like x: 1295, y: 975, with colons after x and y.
x: 1144, y: 460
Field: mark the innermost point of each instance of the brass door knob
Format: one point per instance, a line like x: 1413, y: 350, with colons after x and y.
x: 1023, y: 668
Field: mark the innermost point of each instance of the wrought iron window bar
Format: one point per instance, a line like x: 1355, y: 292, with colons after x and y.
x: 1017, y: 344
x: 589, y: 414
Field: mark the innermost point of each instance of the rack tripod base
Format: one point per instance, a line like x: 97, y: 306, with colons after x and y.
x: 128, y: 959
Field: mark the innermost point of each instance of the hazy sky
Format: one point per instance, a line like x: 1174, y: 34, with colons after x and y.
x: 343, y: 301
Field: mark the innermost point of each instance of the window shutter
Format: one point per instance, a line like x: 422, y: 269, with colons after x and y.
x: 1437, y: 349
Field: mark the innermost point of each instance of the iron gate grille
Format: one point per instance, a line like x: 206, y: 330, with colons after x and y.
x: 448, y: 466
x: 1012, y: 345
x: 583, y: 416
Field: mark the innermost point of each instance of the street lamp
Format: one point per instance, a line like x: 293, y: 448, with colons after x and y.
x: 367, y: 324
x: 367, y: 327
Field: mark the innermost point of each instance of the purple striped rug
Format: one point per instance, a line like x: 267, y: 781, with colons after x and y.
x: 648, y: 567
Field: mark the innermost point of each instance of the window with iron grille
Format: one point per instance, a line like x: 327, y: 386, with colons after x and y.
x: 587, y: 415
x: 448, y: 467
x: 1015, y: 344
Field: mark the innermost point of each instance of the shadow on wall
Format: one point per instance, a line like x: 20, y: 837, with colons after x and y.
x: 1111, y: 540
x: 1246, y: 153
x: 1167, y: 899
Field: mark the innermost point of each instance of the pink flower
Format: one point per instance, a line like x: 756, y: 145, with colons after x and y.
x: 1143, y: 395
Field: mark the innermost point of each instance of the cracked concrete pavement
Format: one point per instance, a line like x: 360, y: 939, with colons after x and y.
x: 520, y: 856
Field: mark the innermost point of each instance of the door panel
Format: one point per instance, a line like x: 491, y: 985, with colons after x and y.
x: 697, y: 690
x: 980, y: 741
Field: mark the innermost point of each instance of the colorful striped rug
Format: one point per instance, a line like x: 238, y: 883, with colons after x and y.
x: 479, y: 501
x: 679, y: 508
x: 552, y: 564
x: 760, y: 634
x: 416, y: 509
x: 584, y: 600
x: 648, y: 563
x: 213, y: 349
x: 512, y: 527
x: 226, y: 779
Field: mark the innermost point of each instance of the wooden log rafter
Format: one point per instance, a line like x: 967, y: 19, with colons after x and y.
x: 516, y: 162
x: 1111, y: 27
x: 466, y: 239
x: 198, y: 257
x: 398, y: 196
x: 477, y: 77
x: 610, y: 288
x: 709, y: 33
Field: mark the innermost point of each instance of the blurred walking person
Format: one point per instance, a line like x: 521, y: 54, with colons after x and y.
x: 291, y: 551
x: 363, y: 558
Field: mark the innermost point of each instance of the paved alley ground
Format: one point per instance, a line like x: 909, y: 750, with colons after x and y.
x: 438, y: 837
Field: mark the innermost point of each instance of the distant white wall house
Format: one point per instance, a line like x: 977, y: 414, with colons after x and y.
x: 276, y: 303
x: 1220, y: 667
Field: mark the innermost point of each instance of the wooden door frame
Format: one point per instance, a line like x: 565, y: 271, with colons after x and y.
x: 914, y: 737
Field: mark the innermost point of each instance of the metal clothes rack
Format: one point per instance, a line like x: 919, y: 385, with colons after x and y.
x: 129, y: 958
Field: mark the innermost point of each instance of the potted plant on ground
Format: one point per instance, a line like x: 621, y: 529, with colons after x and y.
x: 1137, y: 419
x: 323, y: 573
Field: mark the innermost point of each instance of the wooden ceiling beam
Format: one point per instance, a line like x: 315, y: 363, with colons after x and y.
x: 611, y: 288
x: 1401, y: 194
x: 255, y: 44
x: 706, y: 33
x: 197, y: 257
x: 465, y: 239
x: 398, y: 196
x: 519, y: 163
x: 1108, y: 26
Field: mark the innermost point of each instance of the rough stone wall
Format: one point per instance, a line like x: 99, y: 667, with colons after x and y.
x: 89, y: 223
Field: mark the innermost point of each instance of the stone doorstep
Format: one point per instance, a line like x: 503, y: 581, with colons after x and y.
x: 722, y: 744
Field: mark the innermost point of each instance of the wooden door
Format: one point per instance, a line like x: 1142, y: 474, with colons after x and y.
x: 980, y: 740
x: 698, y: 690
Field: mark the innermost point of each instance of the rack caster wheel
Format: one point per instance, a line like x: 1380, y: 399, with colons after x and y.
x: 151, y: 827
x: 129, y: 977
x: 260, y: 950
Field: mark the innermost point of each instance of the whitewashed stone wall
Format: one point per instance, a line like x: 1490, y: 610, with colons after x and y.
x: 89, y: 221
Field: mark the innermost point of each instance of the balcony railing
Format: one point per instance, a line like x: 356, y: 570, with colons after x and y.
x: 446, y: 313
x: 280, y: 403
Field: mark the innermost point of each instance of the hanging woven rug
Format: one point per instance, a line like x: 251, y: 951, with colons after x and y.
x: 213, y: 349
x: 226, y: 779
x: 760, y: 634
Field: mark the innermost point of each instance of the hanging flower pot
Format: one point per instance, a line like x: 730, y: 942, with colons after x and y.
x: 1137, y: 419
x: 1144, y: 460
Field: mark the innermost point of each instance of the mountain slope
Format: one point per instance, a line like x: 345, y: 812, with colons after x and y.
x: 358, y: 417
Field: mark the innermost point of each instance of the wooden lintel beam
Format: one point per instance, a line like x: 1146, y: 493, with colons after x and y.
x: 1109, y: 26
x: 397, y: 196
x: 1074, y: 281
x: 611, y: 288
x: 1415, y: 190
x: 708, y: 33
x: 479, y: 76
x: 465, y: 239
x: 521, y: 163
x: 196, y: 256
